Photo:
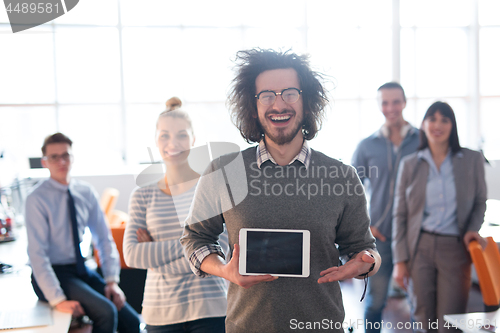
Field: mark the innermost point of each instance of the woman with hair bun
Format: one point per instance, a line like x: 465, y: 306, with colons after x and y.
x: 173, y: 103
x: 175, y: 299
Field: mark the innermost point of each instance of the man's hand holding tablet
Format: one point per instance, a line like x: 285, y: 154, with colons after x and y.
x: 215, y: 265
x: 280, y: 252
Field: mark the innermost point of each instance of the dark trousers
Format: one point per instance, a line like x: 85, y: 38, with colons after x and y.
x: 89, y: 291
x: 205, y: 325
x: 378, y: 287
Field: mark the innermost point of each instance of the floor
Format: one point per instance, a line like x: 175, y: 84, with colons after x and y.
x: 397, y: 309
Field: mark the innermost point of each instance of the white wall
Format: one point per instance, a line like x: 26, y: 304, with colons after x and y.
x: 493, y: 179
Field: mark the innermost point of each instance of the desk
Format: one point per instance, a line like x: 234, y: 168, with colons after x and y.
x: 16, y: 289
x: 470, y: 322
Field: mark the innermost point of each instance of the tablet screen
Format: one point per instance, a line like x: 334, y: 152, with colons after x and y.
x: 274, y: 252
x: 280, y: 252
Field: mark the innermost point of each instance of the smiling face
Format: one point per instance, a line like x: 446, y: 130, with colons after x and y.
x: 437, y: 128
x: 174, y: 139
x: 281, y: 122
x: 392, y: 103
x: 58, y: 160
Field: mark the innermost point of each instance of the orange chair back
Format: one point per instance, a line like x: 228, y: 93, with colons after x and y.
x: 117, y: 233
x: 116, y: 221
x: 108, y: 201
x: 487, y: 265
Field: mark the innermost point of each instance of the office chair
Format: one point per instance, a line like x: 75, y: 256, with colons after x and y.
x: 487, y: 265
x: 108, y: 201
x: 116, y: 221
x: 132, y: 280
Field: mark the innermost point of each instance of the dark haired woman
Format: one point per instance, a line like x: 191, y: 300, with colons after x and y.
x: 439, y: 208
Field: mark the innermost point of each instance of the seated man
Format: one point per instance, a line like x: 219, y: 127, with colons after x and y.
x: 57, y: 212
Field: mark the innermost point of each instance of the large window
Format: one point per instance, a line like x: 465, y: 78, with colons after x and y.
x: 102, y: 72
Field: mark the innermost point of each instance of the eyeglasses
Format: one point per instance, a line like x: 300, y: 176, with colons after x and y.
x: 66, y: 157
x: 288, y: 95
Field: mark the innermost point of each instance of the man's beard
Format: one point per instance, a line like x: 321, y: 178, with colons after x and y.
x: 282, y: 138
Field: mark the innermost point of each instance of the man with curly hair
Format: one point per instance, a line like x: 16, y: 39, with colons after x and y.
x: 278, y: 102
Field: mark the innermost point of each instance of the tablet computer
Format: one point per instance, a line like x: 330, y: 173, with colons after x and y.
x: 279, y: 252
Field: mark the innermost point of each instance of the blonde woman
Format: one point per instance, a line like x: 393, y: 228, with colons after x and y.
x: 175, y: 300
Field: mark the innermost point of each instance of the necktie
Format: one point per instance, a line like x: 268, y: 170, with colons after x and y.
x: 80, y: 264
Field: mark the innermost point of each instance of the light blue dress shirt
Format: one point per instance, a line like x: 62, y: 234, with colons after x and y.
x: 440, y: 212
x: 376, y: 160
x: 49, y: 231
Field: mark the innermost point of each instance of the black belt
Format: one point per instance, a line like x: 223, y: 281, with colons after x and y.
x: 438, y: 234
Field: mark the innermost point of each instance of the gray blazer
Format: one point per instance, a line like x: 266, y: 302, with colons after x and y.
x: 409, y: 201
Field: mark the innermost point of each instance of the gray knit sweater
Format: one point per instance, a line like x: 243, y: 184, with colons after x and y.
x: 327, y: 199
